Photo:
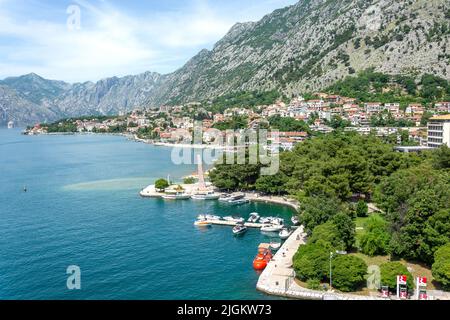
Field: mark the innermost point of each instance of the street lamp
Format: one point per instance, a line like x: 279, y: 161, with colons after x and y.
x: 331, y: 257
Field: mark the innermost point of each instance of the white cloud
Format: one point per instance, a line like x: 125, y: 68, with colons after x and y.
x: 111, y: 42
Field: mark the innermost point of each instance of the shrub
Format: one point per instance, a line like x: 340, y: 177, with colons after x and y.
x: 348, y: 272
x: 390, y: 271
x: 362, y: 210
x: 441, y: 266
x: 313, y: 284
x: 375, y: 240
x: 312, y: 261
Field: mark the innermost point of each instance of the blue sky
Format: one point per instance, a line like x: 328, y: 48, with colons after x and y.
x: 114, y: 38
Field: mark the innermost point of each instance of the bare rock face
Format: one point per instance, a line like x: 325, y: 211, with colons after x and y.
x: 304, y: 47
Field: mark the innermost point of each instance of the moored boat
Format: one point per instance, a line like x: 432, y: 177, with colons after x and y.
x: 275, y: 245
x: 206, y: 196
x: 177, y: 196
x: 254, y: 217
x: 271, y: 228
x: 212, y: 217
x: 239, y: 201
x: 234, y: 219
x: 263, y: 257
x: 202, y: 223
x: 285, y: 233
x: 239, y: 229
x: 295, y: 220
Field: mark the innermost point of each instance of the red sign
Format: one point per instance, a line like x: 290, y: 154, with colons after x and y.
x: 423, y: 296
x: 422, y: 281
x: 402, y: 279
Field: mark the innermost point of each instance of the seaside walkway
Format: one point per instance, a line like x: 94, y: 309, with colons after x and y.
x: 279, y: 277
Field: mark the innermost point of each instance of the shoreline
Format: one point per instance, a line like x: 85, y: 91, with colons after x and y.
x: 278, y: 278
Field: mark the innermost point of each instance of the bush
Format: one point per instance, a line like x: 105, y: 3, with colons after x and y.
x: 312, y: 261
x: 345, y: 227
x: 327, y: 233
x: 375, y: 240
x: 390, y: 271
x: 362, y: 210
x: 348, y: 273
x: 441, y: 266
x: 313, y: 284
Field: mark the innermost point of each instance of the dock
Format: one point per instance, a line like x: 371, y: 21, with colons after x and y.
x: 232, y: 223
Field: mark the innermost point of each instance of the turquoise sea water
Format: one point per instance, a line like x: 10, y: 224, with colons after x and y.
x: 82, y: 208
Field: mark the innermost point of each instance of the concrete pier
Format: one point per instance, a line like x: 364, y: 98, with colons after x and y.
x: 232, y: 224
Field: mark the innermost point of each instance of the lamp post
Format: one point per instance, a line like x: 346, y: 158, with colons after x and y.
x: 331, y: 258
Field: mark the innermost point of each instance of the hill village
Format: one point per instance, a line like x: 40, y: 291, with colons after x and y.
x: 425, y: 126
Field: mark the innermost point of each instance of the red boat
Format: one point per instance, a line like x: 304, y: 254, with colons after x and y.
x: 263, y: 257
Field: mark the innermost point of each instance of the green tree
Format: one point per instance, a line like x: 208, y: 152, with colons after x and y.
x: 312, y: 261
x: 348, y: 272
x: 272, y: 184
x: 161, y: 184
x: 390, y: 271
x: 318, y: 210
x: 345, y: 227
x: 327, y: 233
x: 375, y: 239
x: 362, y: 209
x: 441, y: 266
x: 410, y: 198
x: 189, y: 180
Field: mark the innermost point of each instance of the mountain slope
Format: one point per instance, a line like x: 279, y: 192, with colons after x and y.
x: 301, y: 48
x: 314, y: 43
x: 22, y: 111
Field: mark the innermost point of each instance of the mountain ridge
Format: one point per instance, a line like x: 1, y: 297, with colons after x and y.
x: 300, y: 48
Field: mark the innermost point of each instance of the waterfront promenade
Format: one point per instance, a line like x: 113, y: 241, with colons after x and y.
x: 279, y: 277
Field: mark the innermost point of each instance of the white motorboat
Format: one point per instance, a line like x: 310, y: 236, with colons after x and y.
x: 239, y: 229
x: 271, y: 228
x: 278, y: 221
x: 234, y: 219
x: 239, y: 201
x: 177, y: 196
x: 285, y: 233
x: 225, y: 197
x: 254, y: 217
x: 206, y: 196
x: 212, y: 217
x: 295, y: 220
x: 266, y: 220
x: 202, y: 223
x: 275, y: 245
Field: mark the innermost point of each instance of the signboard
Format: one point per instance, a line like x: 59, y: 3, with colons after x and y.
x: 402, y: 280
x: 422, y: 281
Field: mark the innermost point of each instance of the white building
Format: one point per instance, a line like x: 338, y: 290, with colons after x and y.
x: 439, y: 131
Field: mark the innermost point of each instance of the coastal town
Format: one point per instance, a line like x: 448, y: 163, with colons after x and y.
x: 412, y: 125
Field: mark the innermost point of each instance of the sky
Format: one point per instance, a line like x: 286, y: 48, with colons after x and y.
x: 88, y: 40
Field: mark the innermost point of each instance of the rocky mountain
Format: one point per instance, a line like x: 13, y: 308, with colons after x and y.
x: 15, y: 107
x: 312, y: 44
x: 304, y: 47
